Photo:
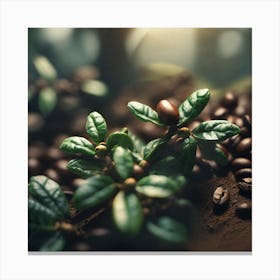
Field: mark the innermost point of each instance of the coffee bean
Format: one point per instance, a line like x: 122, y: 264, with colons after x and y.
x: 245, y: 185
x: 167, y: 112
x: 34, y: 166
x: 243, y: 173
x: 245, y: 132
x: 52, y: 174
x: 240, y: 111
x: 81, y: 246
x: 247, y: 121
x: 220, y: 113
x: 78, y: 182
x: 234, y: 141
x: 61, y: 167
x: 35, y: 122
x: 244, y: 146
x: 221, y: 196
x: 54, y: 154
x: 37, y: 150
x: 244, y: 210
x: 229, y: 101
x: 194, y: 124
x: 224, y: 150
x: 240, y: 163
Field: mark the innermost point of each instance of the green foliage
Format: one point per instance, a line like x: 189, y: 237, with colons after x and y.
x: 144, y: 113
x: 127, y: 213
x: 123, y: 162
x: 96, y: 127
x: 154, y: 148
x: 215, y: 130
x: 193, y: 105
x: 157, y: 186
x: 188, y: 155
x: 119, y: 139
x: 47, y: 100
x: 168, y: 230
x: 76, y: 144
x: 95, y: 191
x: 85, y: 168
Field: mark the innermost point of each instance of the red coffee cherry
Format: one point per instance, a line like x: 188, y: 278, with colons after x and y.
x: 167, y: 112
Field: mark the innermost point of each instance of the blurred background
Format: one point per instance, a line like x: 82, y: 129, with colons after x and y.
x: 73, y: 71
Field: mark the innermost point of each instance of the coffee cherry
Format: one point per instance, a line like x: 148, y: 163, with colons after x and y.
x: 101, y: 150
x: 138, y: 171
x: 130, y: 182
x: 167, y: 112
x: 144, y: 164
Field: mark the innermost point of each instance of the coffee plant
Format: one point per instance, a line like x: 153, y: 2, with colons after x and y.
x: 123, y: 172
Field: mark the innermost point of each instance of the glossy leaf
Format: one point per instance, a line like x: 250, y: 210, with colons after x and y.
x: 76, y: 144
x: 45, y: 68
x: 94, y: 87
x: 144, y: 113
x: 119, y: 139
x: 193, y: 105
x: 95, y: 191
x: 96, y: 127
x: 85, y: 168
x: 138, y: 144
x: 123, y: 162
x: 168, y: 230
x: 49, y: 196
x: 168, y: 165
x: 55, y: 243
x: 188, y: 155
x: 156, y: 186
x: 215, y: 130
x: 154, y: 148
x: 47, y: 100
x: 127, y: 213
x: 210, y: 151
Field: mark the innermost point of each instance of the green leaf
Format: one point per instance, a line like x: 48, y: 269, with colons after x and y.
x: 123, y: 162
x: 188, y: 155
x: 96, y: 127
x: 119, y: 139
x: 94, y: 87
x: 127, y: 213
x: 168, y: 230
x: 47, y: 100
x: 76, y: 144
x: 210, y: 151
x: 138, y: 144
x: 193, y: 105
x: 45, y: 68
x: 85, y: 168
x: 168, y: 165
x: 215, y: 130
x: 49, y: 195
x: 55, y: 243
x: 154, y: 148
x: 156, y: 186
x: 95, y: 191
x: 144, y: 113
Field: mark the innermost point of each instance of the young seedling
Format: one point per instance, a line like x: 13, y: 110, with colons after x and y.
x: 120, y: 170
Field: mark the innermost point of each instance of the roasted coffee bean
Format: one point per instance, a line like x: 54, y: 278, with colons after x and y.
x: 220, y: 113
x: 37, y: 150
x: 194, y: 124
x: 245, y: 132
x: 234, y: 141
x: 34, y: 166
x: 243, y: 173
x: 221, y: 196
x: 240, y: 111
x: 247, y: 121
x: 244, y: 210
x: 245, y: 185
x: 35, y: 122
x: 244, y: 146
x: 61, y: 167
x: 54, y: 154
x: 229, y: 101
x: 52, y: 174
x: 81, y: 246
x: 240, y: 163
x: 78, y: 182
x: 167, y: 112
